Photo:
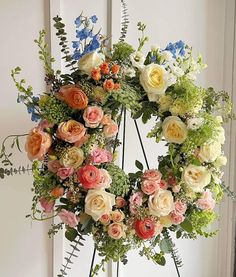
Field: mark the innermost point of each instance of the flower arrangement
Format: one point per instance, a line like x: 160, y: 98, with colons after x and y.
x: 73, y: 147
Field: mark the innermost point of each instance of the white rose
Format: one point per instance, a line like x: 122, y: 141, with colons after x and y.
x: 90, y: 61
x: 155, y: 80
x: 196, y: 177
x: 161, y: 203
x: 209, y: 152
x: 220, y: 161
x: 73, y: 157
x: 98, y: 202
x: 174, y: 129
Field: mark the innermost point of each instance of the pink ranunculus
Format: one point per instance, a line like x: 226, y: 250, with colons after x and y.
x: 206, y: 202
x: 177, y: 218
x: 135, y: 201
x: 100, y: 155
x: 65, y: 172
x: 93, y: 116
x: 47, y: 205
x: 89, y: 176
x: 105, y: 179
x: 71, y: 131
x: 44, y: 124
x: 163, y: 184
x: 180, y: 207
x: 69, y: 218
x: 53, y: 166
x: 152, y: 175
x: 110, y: 130
x: 149, y: 187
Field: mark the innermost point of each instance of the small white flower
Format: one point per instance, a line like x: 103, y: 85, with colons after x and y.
x: 166, y: 56
x: 130, y: 72
x: 195, y: 123
x: 137, y: 59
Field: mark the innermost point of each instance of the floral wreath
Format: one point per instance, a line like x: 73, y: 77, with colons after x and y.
x: 73, y: 147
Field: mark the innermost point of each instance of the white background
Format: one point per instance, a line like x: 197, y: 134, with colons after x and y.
x: 207, y: 25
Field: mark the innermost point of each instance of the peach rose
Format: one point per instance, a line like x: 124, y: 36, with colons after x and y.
x: 73, y: 96
x: 71, y: 131
x: 115, y: 69
x: 116, y: 230
x: 149, y: 187
x: 105, y: 219
x: 108, y: 85
x: 37, y: 144
x: 110, y: 130
x: 96, y: 74
x: 120, y: 202
x: 152, y: 175
x: 117, y: 216
x: 106, y: 119
x: 104, y: 67
x: 93, y: 116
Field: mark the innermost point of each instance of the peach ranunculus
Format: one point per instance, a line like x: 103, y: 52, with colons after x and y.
x: 71, y: 131
x: 37, y: 144
x: 110, y: 130
x: 93, y: 116
x: 116, y: 230
x: 73, y: 96
x: 98, y: 202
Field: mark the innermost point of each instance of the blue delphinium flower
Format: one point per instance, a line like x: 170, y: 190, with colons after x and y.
x: 77, y: 55
x: 177, y: 48
x: 83, y: 34
x: 35, y: 117
x: 153, y: 58
x: 75, y: 44
x: 78, y: 22
x: 94, y: 18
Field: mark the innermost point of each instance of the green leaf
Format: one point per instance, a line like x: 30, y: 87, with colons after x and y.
x: 165, y: 246
x: 18, y: 144
x: 139, y: 165
x: 160, y: 259
x: 71, y: 234
x: 187, y: 226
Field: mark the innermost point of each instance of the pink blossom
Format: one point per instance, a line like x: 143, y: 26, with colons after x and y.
x: 100, y: 155
x: 177, y: 218
x: 163, y: 184
x: 136, y: 201
x: 68, y: 218
x: 149, y: 187
x: 206, y: 202
x: 65, y: 172
x: 152, y: 175
x: 53, y: 166
x: 180, y: 207
x: 47, y: 205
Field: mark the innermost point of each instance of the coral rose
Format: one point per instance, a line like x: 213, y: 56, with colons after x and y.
x: 145, y: 229
x: 105, y: 219
x: 89, y: 176
x: 71, y: 131
x: 37, y: 144
x: 115, y: 69
x: 96, y: 74
x: 104, y: 68
x: 108, y: 84
x: 73, y: 96
x: 93, y: 116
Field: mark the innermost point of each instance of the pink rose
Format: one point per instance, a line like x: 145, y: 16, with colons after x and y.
x: 47, y: 205
x: 65, y: 172
x: 120, y: 202
x: 110, y: 130
x: 99, y: 156
x: 158, y: 228
x: 44, y: 124
x: 117, y: 216
x: 71, y: 131
x: 206, y: 202
x: 163, y: 184
x: 37, y: 144
x: 152, y: 175
x: 105, y: 179
x: 68, y: 218
x: 135, y: 201
x: 180, y: 207
x: 116, y: 230
x: 149, y: 187
x: 105, y: 219
x: 106, y: 119
x: 53, y: 166
x: 93, y: 116
x: 177, y: 218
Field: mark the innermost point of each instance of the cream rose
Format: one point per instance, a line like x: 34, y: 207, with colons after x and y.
x: 90, y: 61
x: 174, y: 129
x: 161, y: 203
x: 165, y: 102
x: 196, y: 177
x: 98, y: 202
x: 209, y: 152
x: 73, y: 157
x: 154, y: 80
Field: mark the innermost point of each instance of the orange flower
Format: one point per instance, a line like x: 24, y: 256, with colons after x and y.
x: 57, y: 192
x: 73, y: 96
x: 115, y: 69
x: 96, y: 75
x: 104, y: 68
x: 108, y: 84
x: 116, y: 86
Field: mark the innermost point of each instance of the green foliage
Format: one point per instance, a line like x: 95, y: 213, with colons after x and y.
x: 146, y: 111
x: 124, y: 21
x: 150, y: 254
x: 143, y: 39
x: 228, y: 191
x: 54, y: 110
x: 54, y: 229
x: 122, y: 51
x: 120, y: 181
x: 44, y: 53
x: 187, y: 225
